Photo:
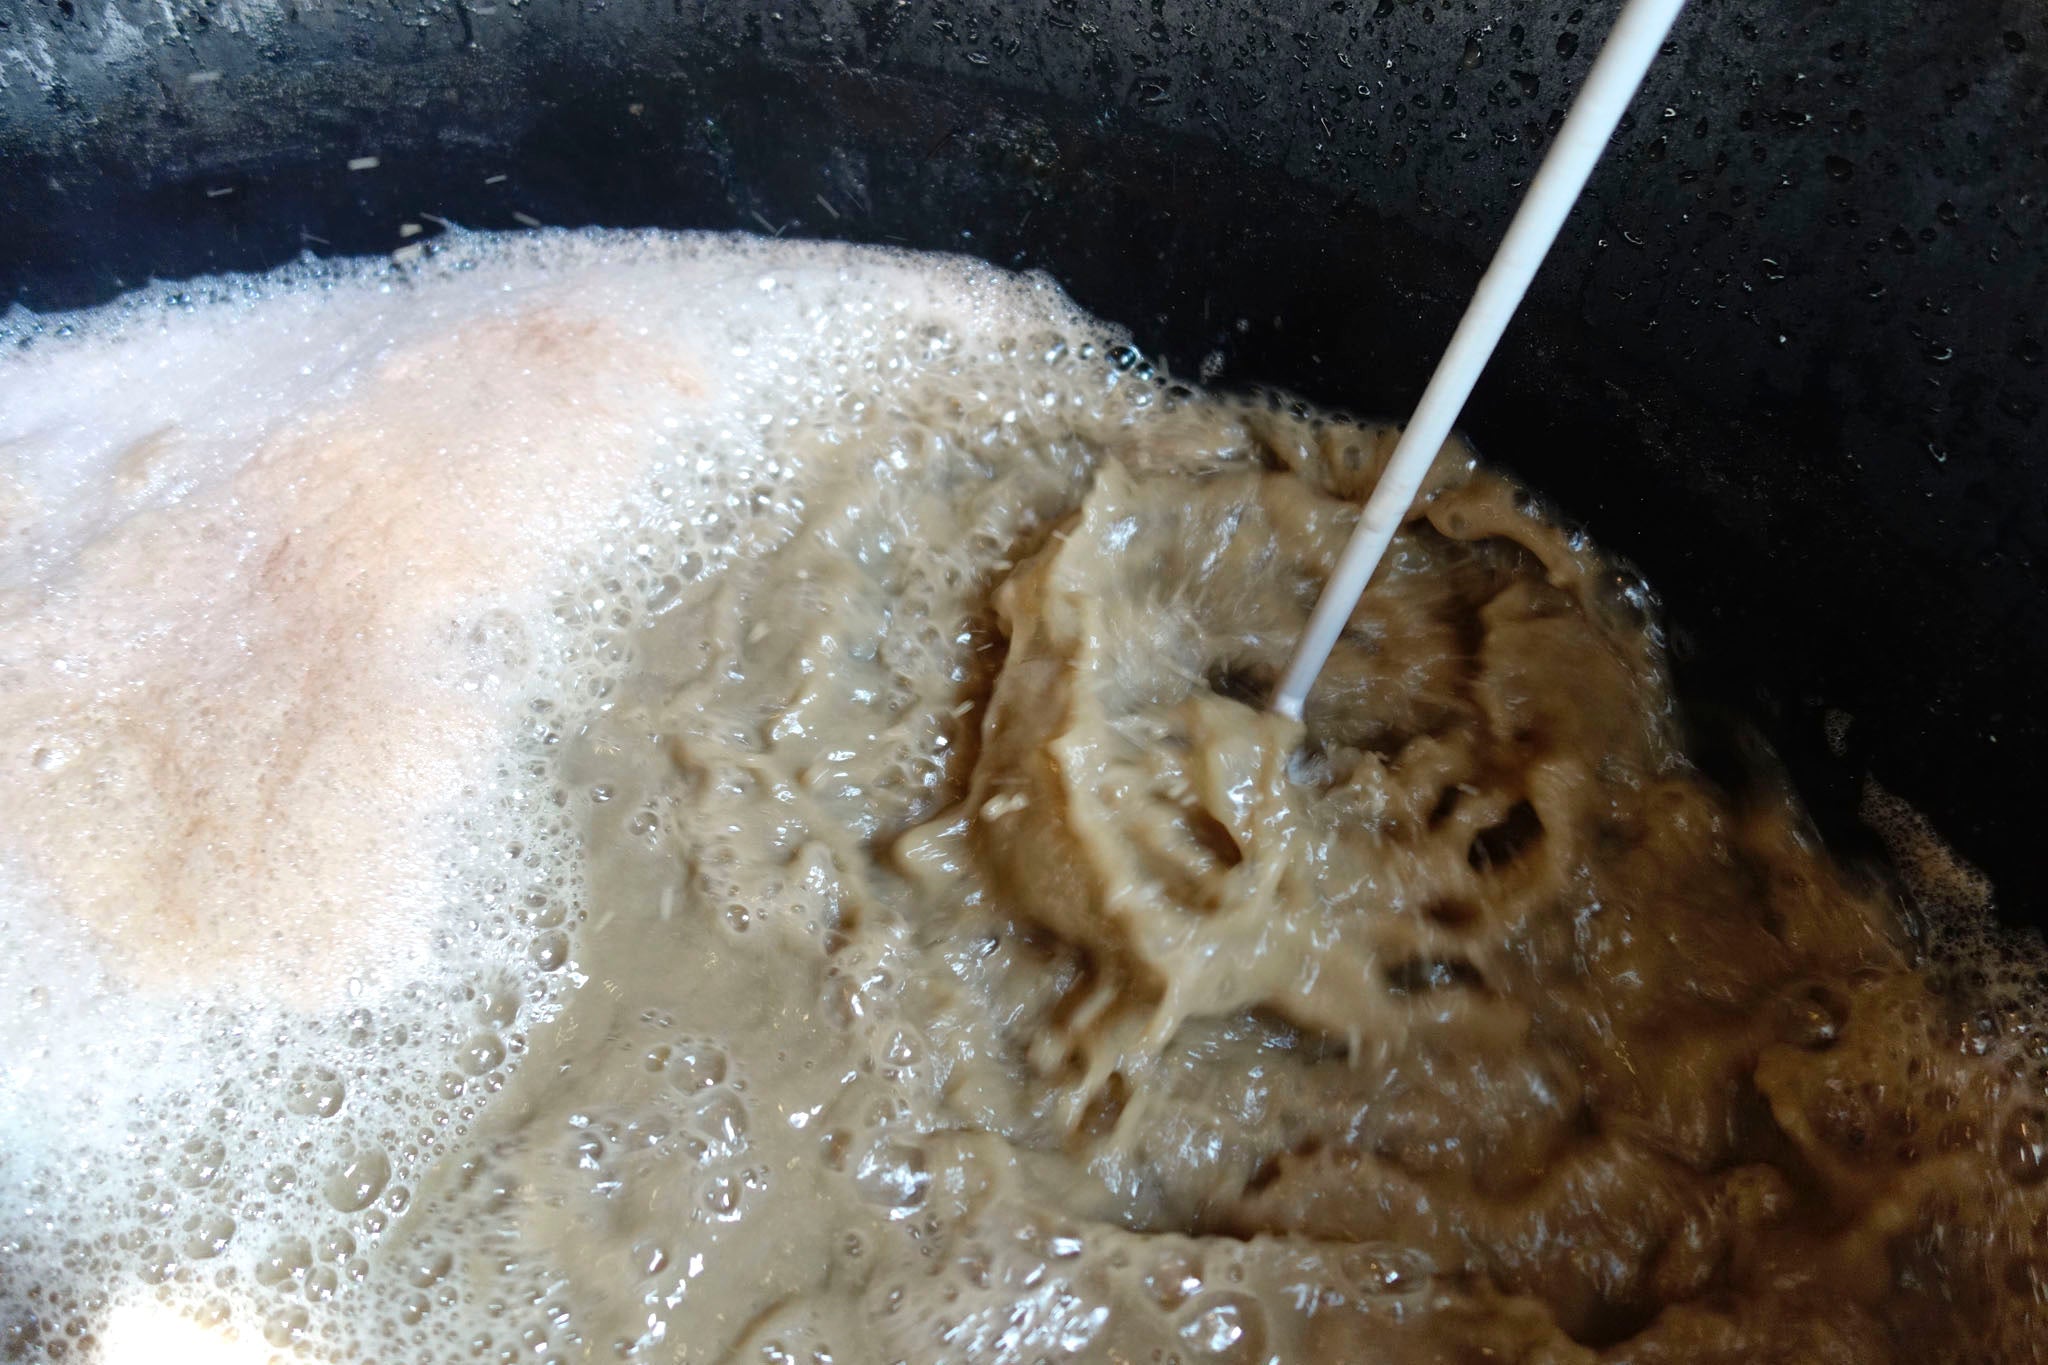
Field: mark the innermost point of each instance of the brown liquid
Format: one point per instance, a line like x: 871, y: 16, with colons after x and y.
x: 1466, y: 1022
x: 712, y: 802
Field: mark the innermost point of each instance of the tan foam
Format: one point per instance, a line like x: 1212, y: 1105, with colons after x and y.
x: 243, y: 712
x: 657, y: 798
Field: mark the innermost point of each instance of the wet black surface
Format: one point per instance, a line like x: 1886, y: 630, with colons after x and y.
x: 1789, y: 358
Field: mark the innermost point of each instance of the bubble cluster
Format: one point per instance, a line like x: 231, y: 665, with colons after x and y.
x: 559, y: 655
x: 491, y: 470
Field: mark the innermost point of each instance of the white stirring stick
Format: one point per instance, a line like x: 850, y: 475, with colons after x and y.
x: 1610, y: 85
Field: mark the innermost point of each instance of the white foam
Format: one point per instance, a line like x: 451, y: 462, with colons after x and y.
x: 302, y: 578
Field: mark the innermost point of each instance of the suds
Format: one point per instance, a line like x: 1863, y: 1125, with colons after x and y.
x: 629, y: 797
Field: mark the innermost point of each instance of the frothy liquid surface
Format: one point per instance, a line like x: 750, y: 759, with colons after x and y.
x: 679, y: 799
